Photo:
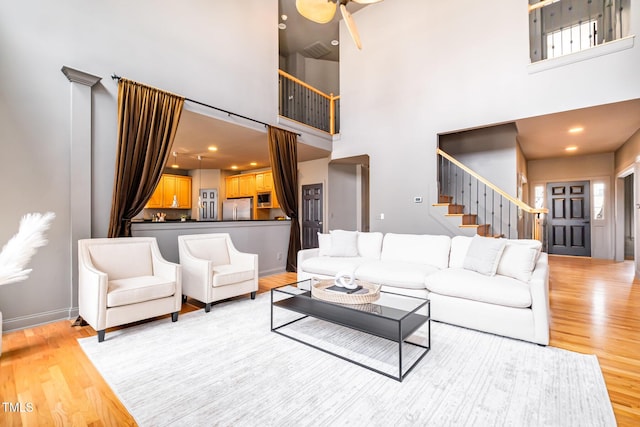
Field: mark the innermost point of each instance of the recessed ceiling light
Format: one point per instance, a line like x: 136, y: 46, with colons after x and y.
x: 335, y: 42
x: 253, y: 164
x: 576, y: 129
x: 213, y: 148
x: 234, y: 167
x: 571, y: 148
x: 283, y: 17
x: 175, y: 166
x: 282, y: 25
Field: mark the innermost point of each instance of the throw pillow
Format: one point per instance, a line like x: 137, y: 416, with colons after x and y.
x: 344, y: 243
x: 369, y: 244
x: 484, y: 255
x: 324, y: 244
x: 518, y: 261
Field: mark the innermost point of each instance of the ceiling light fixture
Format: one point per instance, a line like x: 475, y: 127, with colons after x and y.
x: 571, y: 148
x: 323, y: 11
x: 282, y: 26
x: 175, y: 160
x: 212, y: 148
x: 576, y: 129
x: 253, y: 164
x: 335, y: 42
x: 284, y: 17
x: 234, y: 167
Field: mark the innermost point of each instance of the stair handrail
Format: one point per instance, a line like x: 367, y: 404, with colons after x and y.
x: 522, y: 205
x: 331, y: 98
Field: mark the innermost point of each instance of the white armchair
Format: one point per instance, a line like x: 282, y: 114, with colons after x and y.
x: 213, y: 269
x: 125, y: 279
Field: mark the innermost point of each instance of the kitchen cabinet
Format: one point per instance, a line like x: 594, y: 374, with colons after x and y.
x: 241, y: 185
x: 247, y: 185
x: 232, y: 186
x: 264, y: 181
x: 169, y: 186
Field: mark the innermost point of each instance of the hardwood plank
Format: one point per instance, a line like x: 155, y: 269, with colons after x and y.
x: 595, y: 309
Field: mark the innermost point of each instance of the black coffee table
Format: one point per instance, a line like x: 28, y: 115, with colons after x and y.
x: 393, y: 317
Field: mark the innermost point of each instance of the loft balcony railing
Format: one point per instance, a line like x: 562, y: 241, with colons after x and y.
x: 484, y: 206
x: 561, y: 27
x: 307, y: 105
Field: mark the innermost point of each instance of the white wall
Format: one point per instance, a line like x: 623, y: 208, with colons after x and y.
x: 220, y: 53
x: 450, y: 66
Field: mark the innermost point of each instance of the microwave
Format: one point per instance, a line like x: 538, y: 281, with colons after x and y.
x: 264, y: 200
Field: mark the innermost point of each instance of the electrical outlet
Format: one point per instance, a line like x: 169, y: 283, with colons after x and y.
x: 381, y: 216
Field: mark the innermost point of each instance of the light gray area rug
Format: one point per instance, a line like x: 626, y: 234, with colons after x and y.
x: 226, y: 368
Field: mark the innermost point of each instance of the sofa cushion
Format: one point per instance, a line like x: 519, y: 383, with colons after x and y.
x: 416, y: 248
x: 122, y: 260
x: 229, y: 274
x: 330, y: 266
x: 370, y: 244
x: 467, y: 284
x: 138, y: 289
x: 395, y: 273
x: 484, y: 255
x: 518, y: 260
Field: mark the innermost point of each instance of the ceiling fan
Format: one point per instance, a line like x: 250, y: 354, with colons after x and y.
x: 323, y: 11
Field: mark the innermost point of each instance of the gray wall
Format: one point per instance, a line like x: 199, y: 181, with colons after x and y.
x: 199, y: 49
x: 490, y: 152
x: 268, y: 239
x: 343, y: 203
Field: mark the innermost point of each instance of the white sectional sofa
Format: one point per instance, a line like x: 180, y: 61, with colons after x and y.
x: 499, y: 286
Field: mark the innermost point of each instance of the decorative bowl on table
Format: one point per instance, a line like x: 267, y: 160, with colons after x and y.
x: 369, y: 292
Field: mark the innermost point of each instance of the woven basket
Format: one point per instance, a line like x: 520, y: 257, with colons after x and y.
x: 318, y: 290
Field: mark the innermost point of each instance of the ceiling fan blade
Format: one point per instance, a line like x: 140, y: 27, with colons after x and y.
x: 320, y: 11
x: 351, y: 26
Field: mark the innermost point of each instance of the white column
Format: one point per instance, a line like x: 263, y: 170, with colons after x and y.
x: 80, y: 167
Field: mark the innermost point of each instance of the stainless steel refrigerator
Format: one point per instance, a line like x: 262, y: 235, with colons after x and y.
x: 237, y: 209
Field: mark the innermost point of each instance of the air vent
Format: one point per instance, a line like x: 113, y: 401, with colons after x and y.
x: 316, y: 50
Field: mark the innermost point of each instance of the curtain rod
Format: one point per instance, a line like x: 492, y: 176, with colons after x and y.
x: 114, y: 76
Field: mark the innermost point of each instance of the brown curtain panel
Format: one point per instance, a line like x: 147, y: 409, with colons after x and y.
x: 147, y: 123
x: 283, y: 152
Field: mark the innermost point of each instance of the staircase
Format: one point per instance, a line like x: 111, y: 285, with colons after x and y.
x: 483, y: 206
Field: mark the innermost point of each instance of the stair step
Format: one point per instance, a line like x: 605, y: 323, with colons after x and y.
x: 470, y: 225
x: 483, y: 230
x: 441, y: 204
x: 469, y: 219
x: 456, y: 209
x: 443, y: 198
x: 448, y: 214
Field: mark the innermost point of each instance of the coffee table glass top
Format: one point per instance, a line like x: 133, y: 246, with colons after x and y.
x: 390, y: 305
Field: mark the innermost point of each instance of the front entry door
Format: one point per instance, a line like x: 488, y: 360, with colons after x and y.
x: 311, y: 215
x: 569, y: 224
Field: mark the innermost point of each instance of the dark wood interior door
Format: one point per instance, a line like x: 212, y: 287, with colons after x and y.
x: 311, y: 215
x: 569, y: 221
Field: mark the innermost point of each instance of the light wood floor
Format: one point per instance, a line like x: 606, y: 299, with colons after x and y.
x: 595, y: 308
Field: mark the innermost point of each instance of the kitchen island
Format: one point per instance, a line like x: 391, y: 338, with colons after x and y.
x: 269, y: 238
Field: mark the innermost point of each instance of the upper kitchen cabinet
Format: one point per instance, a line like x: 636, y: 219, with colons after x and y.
x: 170, y: 186
x: 241, y: 185
x: 264, y: 181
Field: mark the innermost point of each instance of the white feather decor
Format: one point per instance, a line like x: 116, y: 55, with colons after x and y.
x: 18, y: 251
